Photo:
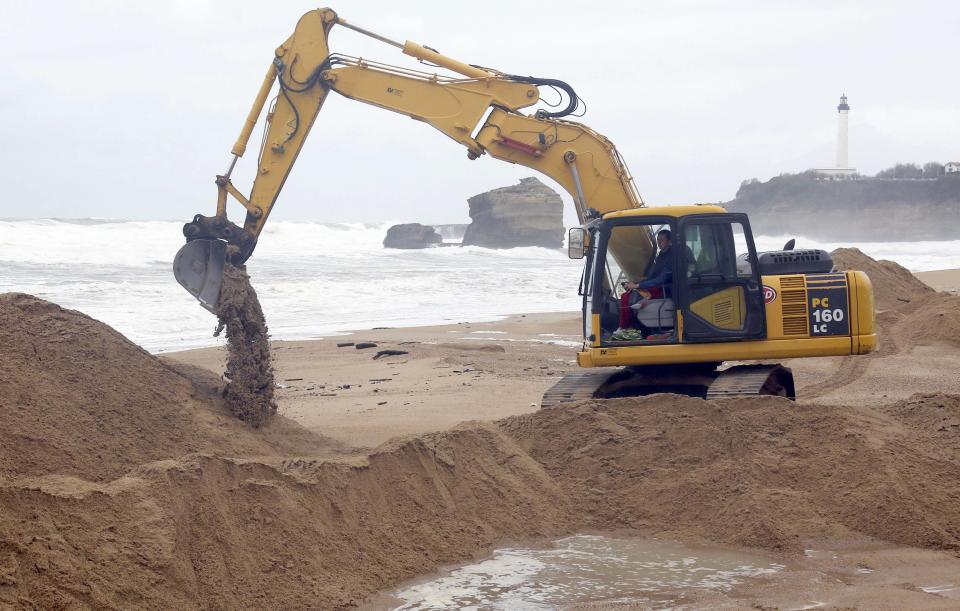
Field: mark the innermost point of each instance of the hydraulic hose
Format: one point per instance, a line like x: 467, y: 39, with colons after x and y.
x: 572, y: 100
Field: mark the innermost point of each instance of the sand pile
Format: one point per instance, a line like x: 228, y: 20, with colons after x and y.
x: 759, y: 472
x: 124, y: 483
x: 893, y: 284
x: 929, y: 320
x: 207, y: 532
x: 249, y: 392
x: 77, y: 398
x: 912, y: 312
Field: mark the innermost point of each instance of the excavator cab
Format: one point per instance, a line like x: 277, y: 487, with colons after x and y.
x: 700, y: 294
x: 730, y: 303
x: 702, y: 285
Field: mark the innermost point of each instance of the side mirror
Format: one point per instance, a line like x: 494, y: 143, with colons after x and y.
x: 577, y: 243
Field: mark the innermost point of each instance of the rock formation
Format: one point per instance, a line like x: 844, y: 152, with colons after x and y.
x: 528, y: 214
x: 411, y: 235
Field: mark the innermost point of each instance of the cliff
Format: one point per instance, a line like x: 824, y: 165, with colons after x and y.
x: 528, y: 214
x: 863, y: 209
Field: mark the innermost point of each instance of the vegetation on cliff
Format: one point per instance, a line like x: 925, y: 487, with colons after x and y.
x: 903, y: 203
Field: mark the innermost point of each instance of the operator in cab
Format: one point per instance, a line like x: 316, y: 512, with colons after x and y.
x: 661, y: 277
x: 636, y: 295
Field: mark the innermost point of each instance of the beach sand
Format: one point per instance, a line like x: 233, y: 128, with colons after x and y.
x: 126, y: 482
x: 450, y: 374
x: 947, y: 280
x: 491, y: 370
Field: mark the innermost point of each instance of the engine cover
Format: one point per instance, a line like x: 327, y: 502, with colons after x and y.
x: 782, y: 262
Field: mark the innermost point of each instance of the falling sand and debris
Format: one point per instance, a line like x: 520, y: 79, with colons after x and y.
x: 249, y: 391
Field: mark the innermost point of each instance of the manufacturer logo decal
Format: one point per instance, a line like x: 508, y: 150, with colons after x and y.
x: 769, y: 294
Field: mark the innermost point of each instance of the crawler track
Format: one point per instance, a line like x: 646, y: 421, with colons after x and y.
x: 578, y: 386
x: 703, y: 381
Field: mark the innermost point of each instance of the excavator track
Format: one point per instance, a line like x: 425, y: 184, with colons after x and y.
x: 696, y: 381
x: 751, y: 381
x: 578, y: 386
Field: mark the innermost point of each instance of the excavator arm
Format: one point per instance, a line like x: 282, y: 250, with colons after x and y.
x: 480, y: 110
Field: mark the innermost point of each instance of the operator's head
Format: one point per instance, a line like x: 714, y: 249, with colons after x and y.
x: 664, y: 239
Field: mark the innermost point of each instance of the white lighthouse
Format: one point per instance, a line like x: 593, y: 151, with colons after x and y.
x: 843, y: 110
x: 842, y: 169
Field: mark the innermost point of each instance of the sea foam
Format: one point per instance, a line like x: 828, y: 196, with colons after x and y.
x: 313, y: 279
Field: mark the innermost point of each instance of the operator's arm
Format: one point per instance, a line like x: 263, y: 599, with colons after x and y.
x: 662, y: 272
x: 662, y: 278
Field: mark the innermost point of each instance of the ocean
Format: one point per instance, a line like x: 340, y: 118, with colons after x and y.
x: 314, y: 279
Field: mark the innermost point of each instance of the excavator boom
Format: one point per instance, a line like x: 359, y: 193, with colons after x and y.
x: 479, y: 109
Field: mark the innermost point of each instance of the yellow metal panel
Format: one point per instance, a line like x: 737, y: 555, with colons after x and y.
x: 725, y: 351
x: 864, y: 344
x: 453, y: 107
x: 863, y: 310
x: 724, y: 309
x: 786, y: 314
x: 671, y: 211
x: 293, y: 115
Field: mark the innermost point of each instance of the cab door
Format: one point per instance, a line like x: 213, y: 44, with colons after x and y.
x: 721, y: 296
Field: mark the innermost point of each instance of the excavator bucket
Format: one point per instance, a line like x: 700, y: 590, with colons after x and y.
x: 198, y: 267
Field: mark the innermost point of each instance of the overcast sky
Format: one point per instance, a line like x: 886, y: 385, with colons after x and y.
x: 124, y: 109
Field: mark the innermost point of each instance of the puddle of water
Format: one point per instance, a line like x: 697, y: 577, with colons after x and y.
x: 947, y: 590
x: 581, y: 569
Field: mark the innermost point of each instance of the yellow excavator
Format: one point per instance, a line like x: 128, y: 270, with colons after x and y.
x: 715, y: 302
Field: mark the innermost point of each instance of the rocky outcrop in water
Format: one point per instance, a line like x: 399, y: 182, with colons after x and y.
x: 411, y: 235
x: 528, y: 214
